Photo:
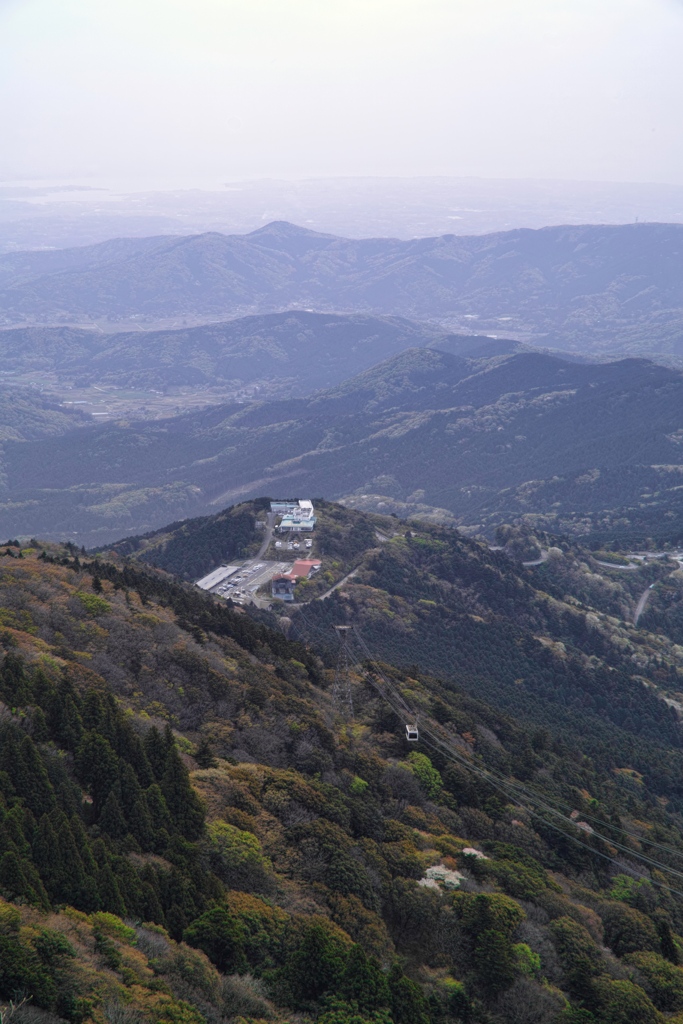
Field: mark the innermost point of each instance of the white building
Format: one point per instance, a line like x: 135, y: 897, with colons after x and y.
x: 303, y: 508
x: 297, y: 516
x: 297, y: 524
x: 216, y: 577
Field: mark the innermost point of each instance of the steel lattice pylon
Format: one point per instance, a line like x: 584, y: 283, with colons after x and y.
x: 341, y: 688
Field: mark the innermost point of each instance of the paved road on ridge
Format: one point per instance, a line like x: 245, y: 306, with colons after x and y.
x: 270, y: 526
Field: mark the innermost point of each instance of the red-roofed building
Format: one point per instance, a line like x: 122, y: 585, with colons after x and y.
x: 282, y: 586
x: 306, y: 567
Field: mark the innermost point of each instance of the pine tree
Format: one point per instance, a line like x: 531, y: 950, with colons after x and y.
x: 64, y: 718
x: 408, y: 1004
x: 89, y: 899
x: 129, y: 787
x: 31, y: 779
x: 71, y: 877
x: 92, y: 712
x: 14, y: 682
x: 13, y: 881
x: 204, y: 755
x: 44, y: 846
x: 140, y: 823
x: 158, y: 810
x: 39, y: 729
x: 97, y: 767
x: 185, y: 808
x: 112, y: 820
x: 130, y: 748
x: 152, y: 906
x: 109, y: 892
x: 43, y: 689
x: 156, y: 750
x: 668, y: 944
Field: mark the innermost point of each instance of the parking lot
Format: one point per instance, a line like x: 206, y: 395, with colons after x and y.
x: 243, y: 583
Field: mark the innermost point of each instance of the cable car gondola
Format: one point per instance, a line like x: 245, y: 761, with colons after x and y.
x: 412, y: 734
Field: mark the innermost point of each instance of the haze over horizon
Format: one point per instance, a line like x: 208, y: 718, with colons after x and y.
x: 175, y: 94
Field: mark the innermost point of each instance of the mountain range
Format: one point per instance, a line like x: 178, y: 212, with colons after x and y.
x: 296, y: 352
x: 581, y: 446
x: 443, y: 784
x: 589, y: 289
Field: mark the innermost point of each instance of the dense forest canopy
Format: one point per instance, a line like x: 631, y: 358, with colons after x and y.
x: 195, y: 830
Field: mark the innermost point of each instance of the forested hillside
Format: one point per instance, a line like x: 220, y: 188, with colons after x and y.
x: 594, y: 288
x: 552, y: 643
x: 192, y: 548
x: 290, y: 353
x: 26, y: 415
x: 194, y: 831
x: 576, y: 447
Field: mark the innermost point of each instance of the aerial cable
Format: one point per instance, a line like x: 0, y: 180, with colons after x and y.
x: 568, y: 835
x: 530, y: 794
x: 509, y: 791
x: 517, y: 789
x: 390, y: 687
x: 514, y: 790
x: 323, y: 633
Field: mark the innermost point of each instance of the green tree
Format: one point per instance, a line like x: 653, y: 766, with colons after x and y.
x: 109, y: 892
x: 97, y: 767
x: 622, y: 1002
x: 407, y: 1001
x: 485, y: 911
x: 490, y: 920
x: 494, y: 961
x: 363, y: 982
x: 221, y: 936
x: 661, y: 980
x: 204, y: 755
x: 185, y: 807
x: 140, y: 823
x: 64, y: 719
x: 14, y: 881
x: 315, y: 965
x: 627, y: 930
x: 340, y: 1012
x: 15, y: 684
x: 237, y: 858
x: 111, y: 819
x: 156, y: 748
x: 426, y: 774
x: 579, y: 954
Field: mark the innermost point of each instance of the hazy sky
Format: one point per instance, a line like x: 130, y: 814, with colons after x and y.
x: 211, y: 90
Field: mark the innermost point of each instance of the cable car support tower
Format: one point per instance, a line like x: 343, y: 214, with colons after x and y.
x: 341, y: 688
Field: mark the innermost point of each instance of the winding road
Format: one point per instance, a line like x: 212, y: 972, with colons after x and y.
x: 537, y: 561
x: 270, y: 526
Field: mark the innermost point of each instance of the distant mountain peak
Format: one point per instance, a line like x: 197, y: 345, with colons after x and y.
x: 285, y: 229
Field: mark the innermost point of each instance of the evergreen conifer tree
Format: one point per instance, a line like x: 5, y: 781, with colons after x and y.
x: 112, y: 820
x: 185, y: 808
